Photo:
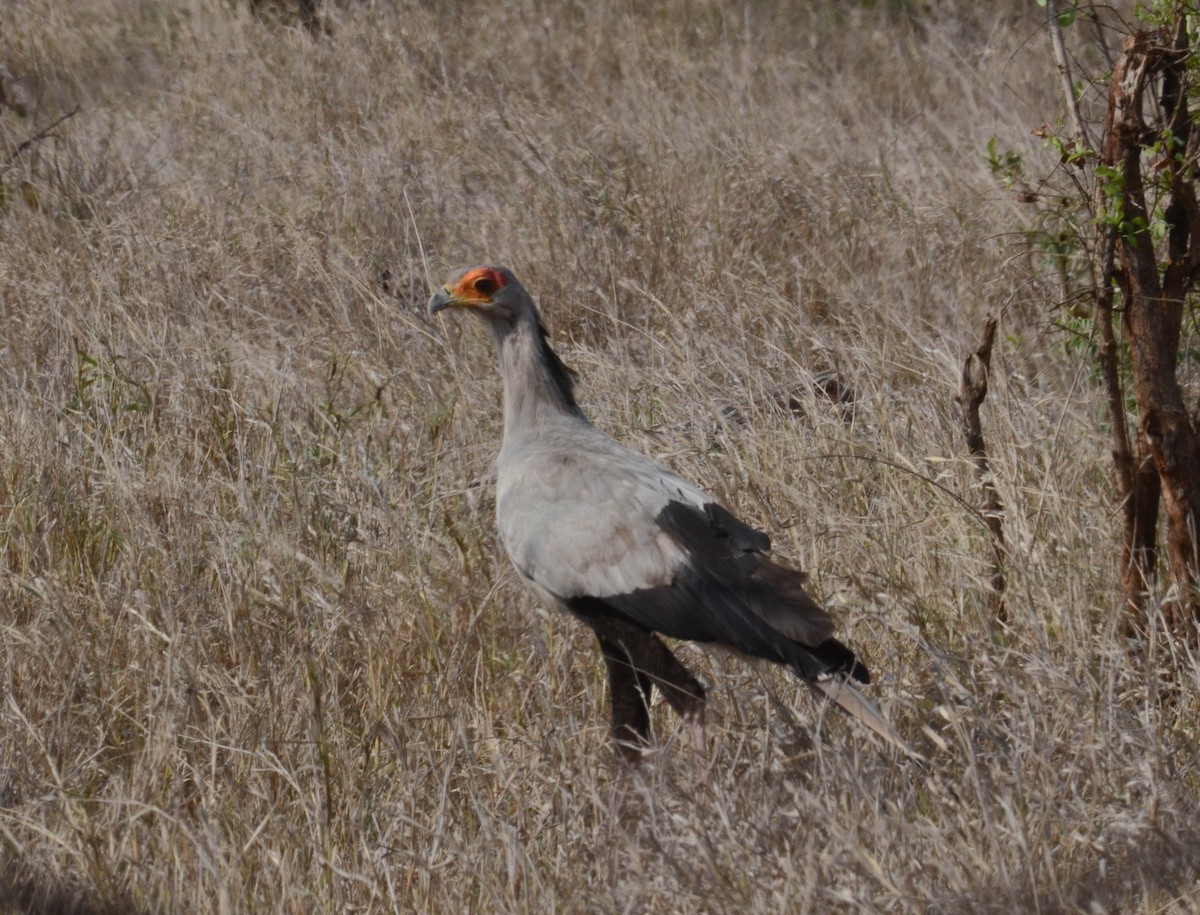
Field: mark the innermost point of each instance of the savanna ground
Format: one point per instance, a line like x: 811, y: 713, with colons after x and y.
x: 261, y: 649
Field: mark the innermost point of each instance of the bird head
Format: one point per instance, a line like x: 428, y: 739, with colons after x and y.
x: 496, y: 295
x: 490, y: 292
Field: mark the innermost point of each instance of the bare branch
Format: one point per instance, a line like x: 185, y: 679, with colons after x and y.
x: 1064, y: 72
x: 971, y: 396
x: 38, y: 137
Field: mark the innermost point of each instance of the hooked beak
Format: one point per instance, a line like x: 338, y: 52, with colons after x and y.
x: 441, y: 300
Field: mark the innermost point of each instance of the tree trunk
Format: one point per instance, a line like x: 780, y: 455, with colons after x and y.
x: 1140, y: 552
x: 1153, y: 308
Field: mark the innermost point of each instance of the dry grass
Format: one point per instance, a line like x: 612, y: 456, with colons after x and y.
x: 261, y: 651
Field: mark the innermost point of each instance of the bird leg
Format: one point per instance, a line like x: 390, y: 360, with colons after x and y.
x: 683, y: 691
x: 637, y: 661
x: 629, y: 690
x: 685, y: 694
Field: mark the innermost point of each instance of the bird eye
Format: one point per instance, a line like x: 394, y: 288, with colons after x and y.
x: 485, y: 285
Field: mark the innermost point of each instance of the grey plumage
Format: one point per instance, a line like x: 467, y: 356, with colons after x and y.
x: 631, y: 548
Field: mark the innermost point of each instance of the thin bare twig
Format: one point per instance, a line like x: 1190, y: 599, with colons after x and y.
x: 38, y: 137
x: 1064, y: 72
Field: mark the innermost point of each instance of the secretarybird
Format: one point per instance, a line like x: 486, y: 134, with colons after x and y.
x: 631, y: 548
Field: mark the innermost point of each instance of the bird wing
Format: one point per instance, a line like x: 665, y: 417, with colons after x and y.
x: 604, y: 529
x: 580, y: 521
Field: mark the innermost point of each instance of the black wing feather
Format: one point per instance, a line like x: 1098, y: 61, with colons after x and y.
x: 728, y: 593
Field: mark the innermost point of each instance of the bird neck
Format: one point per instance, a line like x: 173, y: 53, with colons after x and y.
x: 537, y: 385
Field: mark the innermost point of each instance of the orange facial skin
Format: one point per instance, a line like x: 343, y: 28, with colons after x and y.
x: 478, y: 285
x: 474, y: 289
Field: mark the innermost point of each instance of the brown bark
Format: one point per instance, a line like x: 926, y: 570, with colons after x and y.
x: 1153, y: 313
x: 971, y: 395
x: 1140, y: 556
x: 1136, y: 478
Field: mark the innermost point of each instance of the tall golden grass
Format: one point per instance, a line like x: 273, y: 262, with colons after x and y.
x: 261, y: 650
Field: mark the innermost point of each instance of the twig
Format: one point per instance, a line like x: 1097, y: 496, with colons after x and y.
x: 38, y: 137
x: 1064, y: 72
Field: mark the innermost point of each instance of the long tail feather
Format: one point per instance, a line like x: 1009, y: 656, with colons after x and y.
x: 858, y: 706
